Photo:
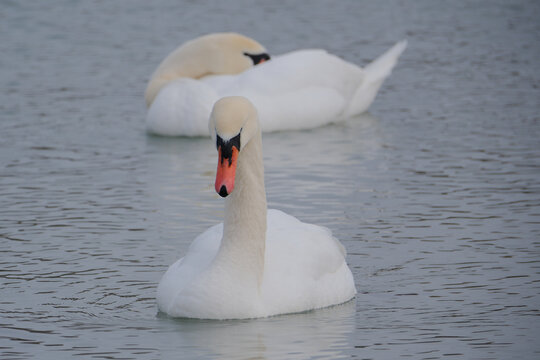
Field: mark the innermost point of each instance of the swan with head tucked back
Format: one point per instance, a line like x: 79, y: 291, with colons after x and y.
x: 297, y: 90
x: 257, y: 263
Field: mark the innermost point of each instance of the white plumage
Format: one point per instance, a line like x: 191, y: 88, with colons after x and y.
x: 257, y: 263
x: 298, y: 90
x: 304, y: 269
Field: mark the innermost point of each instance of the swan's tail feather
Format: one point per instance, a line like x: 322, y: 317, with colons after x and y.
x: 383, y: 65
x: 374, y: 75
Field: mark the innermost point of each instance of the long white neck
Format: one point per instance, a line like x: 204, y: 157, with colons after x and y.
x: 244, y: 230
x: 173, y: 67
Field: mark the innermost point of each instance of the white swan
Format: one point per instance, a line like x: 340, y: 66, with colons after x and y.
x: 298, y: 90
x: 256, y: 263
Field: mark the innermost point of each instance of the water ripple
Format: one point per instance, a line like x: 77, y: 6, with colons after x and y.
x: 435, y: 196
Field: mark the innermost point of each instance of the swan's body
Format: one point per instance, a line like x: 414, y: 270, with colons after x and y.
x: 256, y: 263
x: 298, y: 90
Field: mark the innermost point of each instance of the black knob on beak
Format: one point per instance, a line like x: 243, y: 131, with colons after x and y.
x: 223, y: 191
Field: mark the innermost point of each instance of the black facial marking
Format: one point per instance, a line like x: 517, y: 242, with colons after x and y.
x: 226, y: 147
x: 223, y: 191
x: 257, y: 58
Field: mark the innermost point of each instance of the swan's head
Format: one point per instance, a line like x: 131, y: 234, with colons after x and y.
x: 233, y: 53
x: 232, y: 124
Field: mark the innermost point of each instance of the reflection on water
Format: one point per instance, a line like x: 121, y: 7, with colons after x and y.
x: 315, y: 334
x: 435, y: 195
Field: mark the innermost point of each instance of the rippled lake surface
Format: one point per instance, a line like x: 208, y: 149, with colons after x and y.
x: 435, y: 193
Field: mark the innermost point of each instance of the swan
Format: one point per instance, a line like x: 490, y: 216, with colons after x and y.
x: 258, y: 262
x: 298, y: 90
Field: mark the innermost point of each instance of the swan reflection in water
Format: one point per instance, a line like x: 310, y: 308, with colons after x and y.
x: 321, y: 333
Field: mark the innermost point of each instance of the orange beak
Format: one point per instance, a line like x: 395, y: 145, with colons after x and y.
x: 226, y: 171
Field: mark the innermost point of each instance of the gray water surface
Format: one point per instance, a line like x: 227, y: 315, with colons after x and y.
x: 435, y: 193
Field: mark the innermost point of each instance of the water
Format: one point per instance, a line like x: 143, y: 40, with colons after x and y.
x: 435, y: 193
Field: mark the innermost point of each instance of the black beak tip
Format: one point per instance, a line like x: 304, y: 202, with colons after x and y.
x: 223, y: 191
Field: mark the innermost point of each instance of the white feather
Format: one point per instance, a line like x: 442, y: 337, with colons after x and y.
x: 257, y: 263
x: 298, y: 90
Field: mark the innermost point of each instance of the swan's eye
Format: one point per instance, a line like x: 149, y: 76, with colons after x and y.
x: 258, y: 58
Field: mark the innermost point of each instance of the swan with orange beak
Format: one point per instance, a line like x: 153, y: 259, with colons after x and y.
x: 259, y: 262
